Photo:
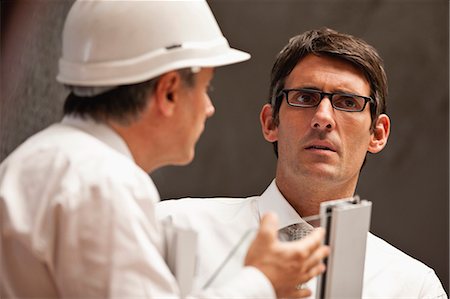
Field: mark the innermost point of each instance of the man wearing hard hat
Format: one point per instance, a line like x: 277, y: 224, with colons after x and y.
x: 77, y: 204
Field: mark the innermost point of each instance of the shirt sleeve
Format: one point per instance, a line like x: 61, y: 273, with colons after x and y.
x: 109, y: 245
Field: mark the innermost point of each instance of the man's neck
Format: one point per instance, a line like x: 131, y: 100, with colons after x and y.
x: 306, y: 198
x: 144, y: 143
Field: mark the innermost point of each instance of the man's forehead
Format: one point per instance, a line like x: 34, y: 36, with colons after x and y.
x: 324, y: 69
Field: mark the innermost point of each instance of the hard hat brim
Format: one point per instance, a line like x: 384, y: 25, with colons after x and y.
x: 140, y: 70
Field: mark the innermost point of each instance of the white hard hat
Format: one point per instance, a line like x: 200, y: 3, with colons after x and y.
x: 110, y: 43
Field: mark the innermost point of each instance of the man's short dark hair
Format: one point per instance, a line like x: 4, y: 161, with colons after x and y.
x: 122, y: 104
x: 327, y: 42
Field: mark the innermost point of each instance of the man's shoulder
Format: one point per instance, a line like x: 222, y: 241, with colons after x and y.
x: 379, y: 249
x: 210, y: 202
x: 58, y: 139
x: 216, y: 209
x: 60, y: 151
x: 391, y: 273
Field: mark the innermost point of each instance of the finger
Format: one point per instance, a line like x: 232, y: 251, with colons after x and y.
x: 304, y: 248
x: 311, y: 242
x: 312, y: 272
x: 316, y: 257
x: 269, y: 226
x: 319, y: 269
x: 314, y: 265
x: 302, y: 293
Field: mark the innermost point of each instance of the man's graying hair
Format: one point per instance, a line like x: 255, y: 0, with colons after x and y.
x: 122, y: 104
x: 327, y: 42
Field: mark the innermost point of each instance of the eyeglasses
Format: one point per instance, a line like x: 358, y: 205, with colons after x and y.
x: 307, y: 98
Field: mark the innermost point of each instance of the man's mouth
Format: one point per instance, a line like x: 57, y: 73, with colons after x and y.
x: 320, y: 147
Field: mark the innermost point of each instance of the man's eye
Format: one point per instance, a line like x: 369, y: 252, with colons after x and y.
x: 350, y: 103
x: 304, y: 98
x: 347, y: 102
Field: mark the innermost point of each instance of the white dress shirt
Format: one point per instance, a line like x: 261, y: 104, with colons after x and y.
x: 77, y: 220
x: 388, y: 272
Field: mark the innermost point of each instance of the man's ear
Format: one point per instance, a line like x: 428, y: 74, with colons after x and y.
x: 268, y: 125
x: 166, y: 92
x: 380, y: 134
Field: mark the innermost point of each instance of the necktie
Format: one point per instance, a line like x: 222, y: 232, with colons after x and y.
x: 295, y: 231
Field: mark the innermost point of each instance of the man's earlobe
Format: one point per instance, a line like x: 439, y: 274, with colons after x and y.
x: 380, y: 134
x: 268, y: 125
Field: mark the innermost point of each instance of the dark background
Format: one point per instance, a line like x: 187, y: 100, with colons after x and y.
x: 408, y: 182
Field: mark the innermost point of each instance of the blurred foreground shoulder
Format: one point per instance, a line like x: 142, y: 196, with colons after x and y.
x: 391, y: 273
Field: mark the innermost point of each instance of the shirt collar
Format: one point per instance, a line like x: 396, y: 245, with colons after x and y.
x: 100, y: 131
x: 273, y: 201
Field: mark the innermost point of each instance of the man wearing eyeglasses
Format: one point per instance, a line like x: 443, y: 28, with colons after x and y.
x: 327, y: 110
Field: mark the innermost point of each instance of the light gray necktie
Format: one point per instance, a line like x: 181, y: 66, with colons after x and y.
x: 295, y: 231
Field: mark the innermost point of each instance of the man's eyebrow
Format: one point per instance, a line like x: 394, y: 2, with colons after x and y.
x: 307, y: 87
x: 337, y: 90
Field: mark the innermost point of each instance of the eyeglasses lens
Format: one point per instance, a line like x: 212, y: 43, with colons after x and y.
x: 308, y: 98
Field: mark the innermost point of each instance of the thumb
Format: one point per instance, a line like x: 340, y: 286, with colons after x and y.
x: 269, y: 226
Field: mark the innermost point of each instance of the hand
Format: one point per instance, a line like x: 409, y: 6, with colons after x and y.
x: 287, y: 264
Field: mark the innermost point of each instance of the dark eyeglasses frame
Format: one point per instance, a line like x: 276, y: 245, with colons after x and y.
x: 284, y: 93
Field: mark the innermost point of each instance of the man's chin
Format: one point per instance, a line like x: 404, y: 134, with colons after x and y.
x: 185, y: 159
x: 321, y: 171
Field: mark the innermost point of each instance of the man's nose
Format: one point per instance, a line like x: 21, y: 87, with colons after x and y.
x: 323, y: 118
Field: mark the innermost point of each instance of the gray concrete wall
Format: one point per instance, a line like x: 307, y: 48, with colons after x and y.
x: 408, y: 182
